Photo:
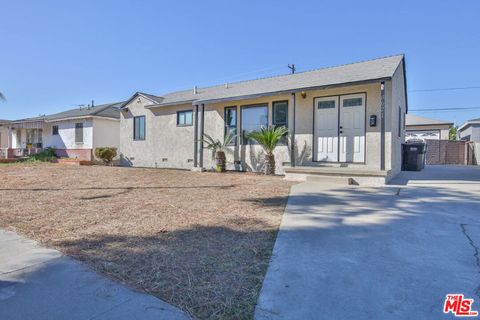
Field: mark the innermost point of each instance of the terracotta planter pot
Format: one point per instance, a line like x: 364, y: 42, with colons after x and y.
x: 269, y: 164
x: 220, y: 161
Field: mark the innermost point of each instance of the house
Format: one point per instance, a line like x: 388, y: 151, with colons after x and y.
x: 343, y: 120
x: 421, y: 128
x: 74, y: 133
x: 3, y: 134
x: 470, y: 130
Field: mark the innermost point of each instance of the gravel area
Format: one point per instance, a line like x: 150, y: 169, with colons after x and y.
x: 200, y: 241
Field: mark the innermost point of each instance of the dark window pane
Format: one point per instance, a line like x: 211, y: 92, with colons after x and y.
x: 353, y: 102
x: 326, y: 104
x: 231, y: 122
x: 253, y: 118
x: 79, y: 132
x: 280, y: 113
x: 54, y: 130
x: 139, y: 128
x: 184, y: 118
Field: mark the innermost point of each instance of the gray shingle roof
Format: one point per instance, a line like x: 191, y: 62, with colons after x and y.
x: 349, y: 73
x: 414, y: 120
x: 109, y: 110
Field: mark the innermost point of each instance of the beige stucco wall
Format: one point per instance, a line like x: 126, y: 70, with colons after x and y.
x: 397, y: 109
x: 165, y: 144
x: 106, y: 133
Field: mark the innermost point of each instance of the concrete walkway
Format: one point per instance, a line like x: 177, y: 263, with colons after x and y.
x: 39, y: 283
x: 391, y: 252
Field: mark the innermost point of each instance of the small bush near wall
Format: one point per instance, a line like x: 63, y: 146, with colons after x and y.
x: 46, y: 155
x: 106, y: 154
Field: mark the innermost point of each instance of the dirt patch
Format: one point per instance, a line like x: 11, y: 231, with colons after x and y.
x: 201, y: 241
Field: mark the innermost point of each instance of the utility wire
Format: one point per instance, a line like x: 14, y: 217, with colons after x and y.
x: 445, y: 109
x: 445, y: 89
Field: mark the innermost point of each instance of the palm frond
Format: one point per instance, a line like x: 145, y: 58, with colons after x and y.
x: 216, y: 144
x: 268, y: 137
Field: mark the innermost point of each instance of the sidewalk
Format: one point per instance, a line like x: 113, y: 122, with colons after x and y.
x: 39, y: 283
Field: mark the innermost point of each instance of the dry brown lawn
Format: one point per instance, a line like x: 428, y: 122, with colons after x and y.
x: 200, y: 241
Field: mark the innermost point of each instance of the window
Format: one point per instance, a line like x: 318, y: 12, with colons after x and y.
x: 326, y: 104
x: 230, y: 117
x: 79, y: 132
x: 352, y: 102
x: 185, y: 118
x: 55, y: 130
x: 253, y: 118
x: 280, y: 113
x: 139, y: 128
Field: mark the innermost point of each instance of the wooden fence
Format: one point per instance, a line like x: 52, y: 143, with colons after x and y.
x: 451, y: 152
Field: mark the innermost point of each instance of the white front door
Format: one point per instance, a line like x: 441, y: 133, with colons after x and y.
x: 352, y: 128
x: 326, y: 129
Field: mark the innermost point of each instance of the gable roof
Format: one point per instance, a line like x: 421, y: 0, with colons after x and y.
x: 382, y: 68
x: 468, y: 123
x: 109, y: 110
x: 414, y: 120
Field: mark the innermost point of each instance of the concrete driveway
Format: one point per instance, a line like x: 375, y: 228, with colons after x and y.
x: 40, y: 283
x: 391, y: 252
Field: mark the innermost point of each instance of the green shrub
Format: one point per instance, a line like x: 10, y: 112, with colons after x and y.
x: 106, y: 154
x: 46, y: 155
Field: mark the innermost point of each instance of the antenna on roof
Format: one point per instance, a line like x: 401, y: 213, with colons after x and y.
x: 292, y: 67
x: 195, y: 90
x: 93, y: 103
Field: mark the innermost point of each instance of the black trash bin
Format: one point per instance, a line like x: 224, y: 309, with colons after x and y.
x: 414, y: 156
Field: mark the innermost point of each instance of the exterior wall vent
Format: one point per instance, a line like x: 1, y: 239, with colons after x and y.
x: 164, y: 159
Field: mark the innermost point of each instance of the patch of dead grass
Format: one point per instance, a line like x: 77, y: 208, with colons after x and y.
x: 201, y: 241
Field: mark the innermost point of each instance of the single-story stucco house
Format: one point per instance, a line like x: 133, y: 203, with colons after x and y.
x: 73, y: 133
x: 421, y: 128
x: 346, y: 120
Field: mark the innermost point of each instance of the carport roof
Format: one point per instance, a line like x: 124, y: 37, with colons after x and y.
x: 376, y: 69
x: 414, y: 120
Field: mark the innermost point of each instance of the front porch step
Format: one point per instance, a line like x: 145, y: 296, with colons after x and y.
x: 337, y: 175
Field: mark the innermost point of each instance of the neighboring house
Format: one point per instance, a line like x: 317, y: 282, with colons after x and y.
x: 3, y: 134
x: 74, y: 133
x: 470, y: 130
x: 334, y: 116
x: 421, y: 128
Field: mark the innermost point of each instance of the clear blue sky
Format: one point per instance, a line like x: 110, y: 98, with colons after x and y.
x: 58, y: 54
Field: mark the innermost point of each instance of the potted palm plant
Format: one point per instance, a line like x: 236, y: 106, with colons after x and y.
x: 218, y: 148
x: 268, y: 138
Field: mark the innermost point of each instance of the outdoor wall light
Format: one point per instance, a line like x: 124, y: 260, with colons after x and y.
x: 303, y: 94
x: 125, y: 110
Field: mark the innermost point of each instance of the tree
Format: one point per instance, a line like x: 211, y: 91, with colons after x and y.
x: 218, y: 149
x: 269, y: 138
x: 452, y: 134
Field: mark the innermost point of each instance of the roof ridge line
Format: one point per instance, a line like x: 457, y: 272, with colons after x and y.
x: 301, y: 72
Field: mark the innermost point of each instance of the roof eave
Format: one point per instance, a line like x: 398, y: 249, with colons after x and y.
x: 260, y: 95
x: 168, y: 104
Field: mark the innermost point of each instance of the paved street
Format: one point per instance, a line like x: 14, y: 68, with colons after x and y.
x: 38, y: 283
x: 391, y: 252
